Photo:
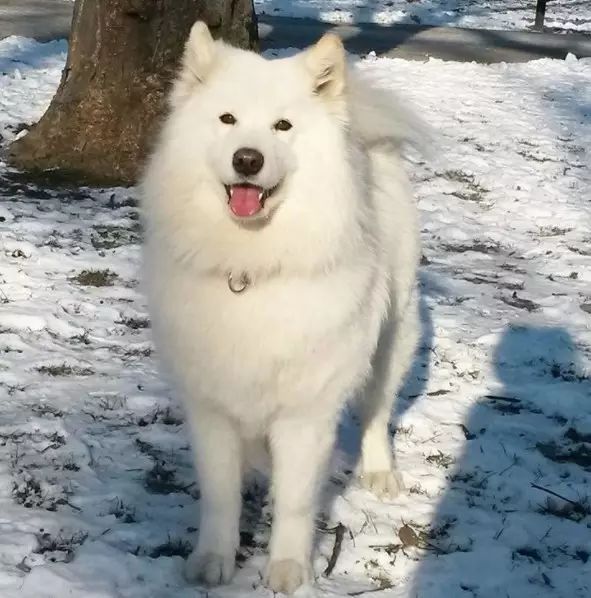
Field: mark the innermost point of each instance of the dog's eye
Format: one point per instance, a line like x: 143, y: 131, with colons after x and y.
x: 228, y: 119
x: 282, y: 125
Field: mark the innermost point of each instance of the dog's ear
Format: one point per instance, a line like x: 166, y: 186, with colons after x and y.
x: 326, y: 61
x: 198, y: 59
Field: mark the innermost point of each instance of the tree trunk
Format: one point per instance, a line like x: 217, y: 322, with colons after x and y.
x: 121, y: 61
x: 540, y: 14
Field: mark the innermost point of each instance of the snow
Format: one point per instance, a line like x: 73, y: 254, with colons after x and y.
x: 487, y: 14
x: 29, y: 73
x: 97, y: 493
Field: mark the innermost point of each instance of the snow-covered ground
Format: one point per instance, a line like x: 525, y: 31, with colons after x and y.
x: 97, y: 494
x: 486, y: 14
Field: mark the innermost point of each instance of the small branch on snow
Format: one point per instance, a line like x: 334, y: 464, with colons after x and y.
x: 499, y: 473
x: 546, y: 534
x: 370, y: 591
x: 339, y: 534
x: 3, y: 297
x: 572, y: 502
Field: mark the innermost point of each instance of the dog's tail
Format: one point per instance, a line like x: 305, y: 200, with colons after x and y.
x: 382, y: 121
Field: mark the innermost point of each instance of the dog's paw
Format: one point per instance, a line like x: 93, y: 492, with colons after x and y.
x: 286, y: 576
x: 209, y: 569
x: 386, y: 485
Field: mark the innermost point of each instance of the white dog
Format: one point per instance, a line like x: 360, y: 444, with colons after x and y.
x: 281, y: 254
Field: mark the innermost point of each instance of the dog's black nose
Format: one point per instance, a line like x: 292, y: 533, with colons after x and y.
x: 247, y: 161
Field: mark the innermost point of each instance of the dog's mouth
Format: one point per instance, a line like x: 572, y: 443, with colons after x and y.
x: 246, y: 200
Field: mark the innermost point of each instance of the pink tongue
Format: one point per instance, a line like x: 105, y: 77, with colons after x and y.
x: 244, y: 200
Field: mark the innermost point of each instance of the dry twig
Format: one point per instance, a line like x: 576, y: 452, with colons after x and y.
x: 572, y: 502
x: 339, y: 534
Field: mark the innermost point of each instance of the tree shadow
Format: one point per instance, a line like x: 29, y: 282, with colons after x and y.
x: 31, y: 55
x: 422, y: 41
x: 359, y: 36
x: 42, y: 20
x: 494, y: 533
x: 435, y: 12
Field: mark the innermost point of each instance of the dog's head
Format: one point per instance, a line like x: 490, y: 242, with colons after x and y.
x: 257, y: 169
x: 255, y: 125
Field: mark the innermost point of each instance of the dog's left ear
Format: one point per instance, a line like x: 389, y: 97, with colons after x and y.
x: 326, y: 61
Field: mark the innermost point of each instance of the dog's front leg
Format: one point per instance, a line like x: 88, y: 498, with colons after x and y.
x: 217, y: 446
x: 300, y: 450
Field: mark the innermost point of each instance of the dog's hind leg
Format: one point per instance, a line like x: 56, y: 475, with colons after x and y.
x: 396, y: 348
x: 218, y: 455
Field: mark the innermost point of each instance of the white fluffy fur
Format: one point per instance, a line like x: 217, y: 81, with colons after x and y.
x: 330, y: 312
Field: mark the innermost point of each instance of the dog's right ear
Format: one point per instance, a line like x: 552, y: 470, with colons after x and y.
x: 198, y: 59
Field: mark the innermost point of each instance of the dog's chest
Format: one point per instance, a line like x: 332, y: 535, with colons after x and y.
x: 278, y: 341
x: 272, y: 321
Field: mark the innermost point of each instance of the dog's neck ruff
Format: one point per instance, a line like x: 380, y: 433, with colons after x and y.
x: 240, y: 284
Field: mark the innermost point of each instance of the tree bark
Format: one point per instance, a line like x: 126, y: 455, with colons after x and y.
x: 540, y: 14
x: 122, y: 58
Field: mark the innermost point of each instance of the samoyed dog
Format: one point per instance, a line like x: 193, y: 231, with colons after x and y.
x: 280, y: 261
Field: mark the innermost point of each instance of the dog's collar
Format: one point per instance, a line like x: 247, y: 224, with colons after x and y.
x: 240, y: 284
